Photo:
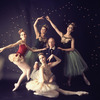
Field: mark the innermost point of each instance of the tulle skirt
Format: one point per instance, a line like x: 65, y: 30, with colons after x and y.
x: 16, y: 57
x: 31, y: 57
x: 74, y: 64
x: 35, y: 85
x: 34, y: 74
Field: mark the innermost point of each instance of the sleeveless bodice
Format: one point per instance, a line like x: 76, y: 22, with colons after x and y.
x: 22, y: 49
x: 66, y: 42
x: 40, y: 43
x: 47, y: 72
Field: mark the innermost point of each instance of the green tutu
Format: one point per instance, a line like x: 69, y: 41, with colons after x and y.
x: 31, y: 57
x: 74, y: 64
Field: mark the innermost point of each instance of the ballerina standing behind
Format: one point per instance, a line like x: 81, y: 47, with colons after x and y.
x: 74, y: 63
x: 40, y: 42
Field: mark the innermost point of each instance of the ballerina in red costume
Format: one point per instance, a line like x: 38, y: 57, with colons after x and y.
x: 18, y: 58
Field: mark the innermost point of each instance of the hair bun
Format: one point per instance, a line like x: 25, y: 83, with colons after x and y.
x: 73, y: 24
x: 21, y: 30
x: 46, y: 26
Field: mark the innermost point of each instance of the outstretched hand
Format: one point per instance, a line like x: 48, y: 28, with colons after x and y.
x: 1, y: 49
x: 50, y: 57
x: 47, y: 18
x: 36, y: 65
x: 38, y: 50
x: 60, y: 48
x: 39, y: 18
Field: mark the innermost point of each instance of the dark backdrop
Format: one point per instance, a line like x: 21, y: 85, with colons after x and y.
x: 16, y: 14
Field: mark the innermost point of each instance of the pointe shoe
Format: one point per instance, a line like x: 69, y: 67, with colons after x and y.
x: 80, y: 93
x: 36, y: 93
x: 16, y: 86
x: 87, y: 82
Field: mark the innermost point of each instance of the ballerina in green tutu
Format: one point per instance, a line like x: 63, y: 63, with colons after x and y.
x: 74, y: 64
x: 40, y: 42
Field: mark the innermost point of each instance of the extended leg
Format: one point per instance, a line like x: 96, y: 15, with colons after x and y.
x: 65, y: 92
x: 50, y: 94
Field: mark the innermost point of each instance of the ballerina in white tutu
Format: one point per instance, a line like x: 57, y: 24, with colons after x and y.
x: 44, y: 84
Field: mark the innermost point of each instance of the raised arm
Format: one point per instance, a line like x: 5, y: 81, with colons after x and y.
x: 11, y: 45
x: 35, y: 27
x: 54, y: 26
x: 58, y: 60
x: 72, y: 46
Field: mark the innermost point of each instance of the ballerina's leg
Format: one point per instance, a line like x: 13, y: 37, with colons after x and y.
x: 23, y: 69
x: 19, y: 81
x: 85, y: 79
x: 50, y: 94
x: 79, y: 93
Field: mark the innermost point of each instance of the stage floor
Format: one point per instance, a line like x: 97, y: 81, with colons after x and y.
x: 6, y: 93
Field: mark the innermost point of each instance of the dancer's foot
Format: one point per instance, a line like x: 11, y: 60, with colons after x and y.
x: 86, y: 81
x: 16, y: 86
x: 80, y: 93
x: 36, y: 93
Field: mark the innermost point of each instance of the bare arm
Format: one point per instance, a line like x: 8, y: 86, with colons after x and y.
x: 41, y: 78
x: 38, y: 50
x: 69, y: 49
x: 11, y: 45
x: 29, y: 48
x: 58, y: 60
x: 35, y: 50
x: 54, y: 26
x: 35, y: 27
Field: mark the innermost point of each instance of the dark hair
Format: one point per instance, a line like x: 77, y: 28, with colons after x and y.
x: 45, y: 26
x: 21, y: 30
x: 73, y: 24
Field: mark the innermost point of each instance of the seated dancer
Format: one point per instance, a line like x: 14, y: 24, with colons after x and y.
x: 18, y: 58
x: 44, y: 84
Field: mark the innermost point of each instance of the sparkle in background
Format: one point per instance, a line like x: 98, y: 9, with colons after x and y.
x: 22, y: 14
